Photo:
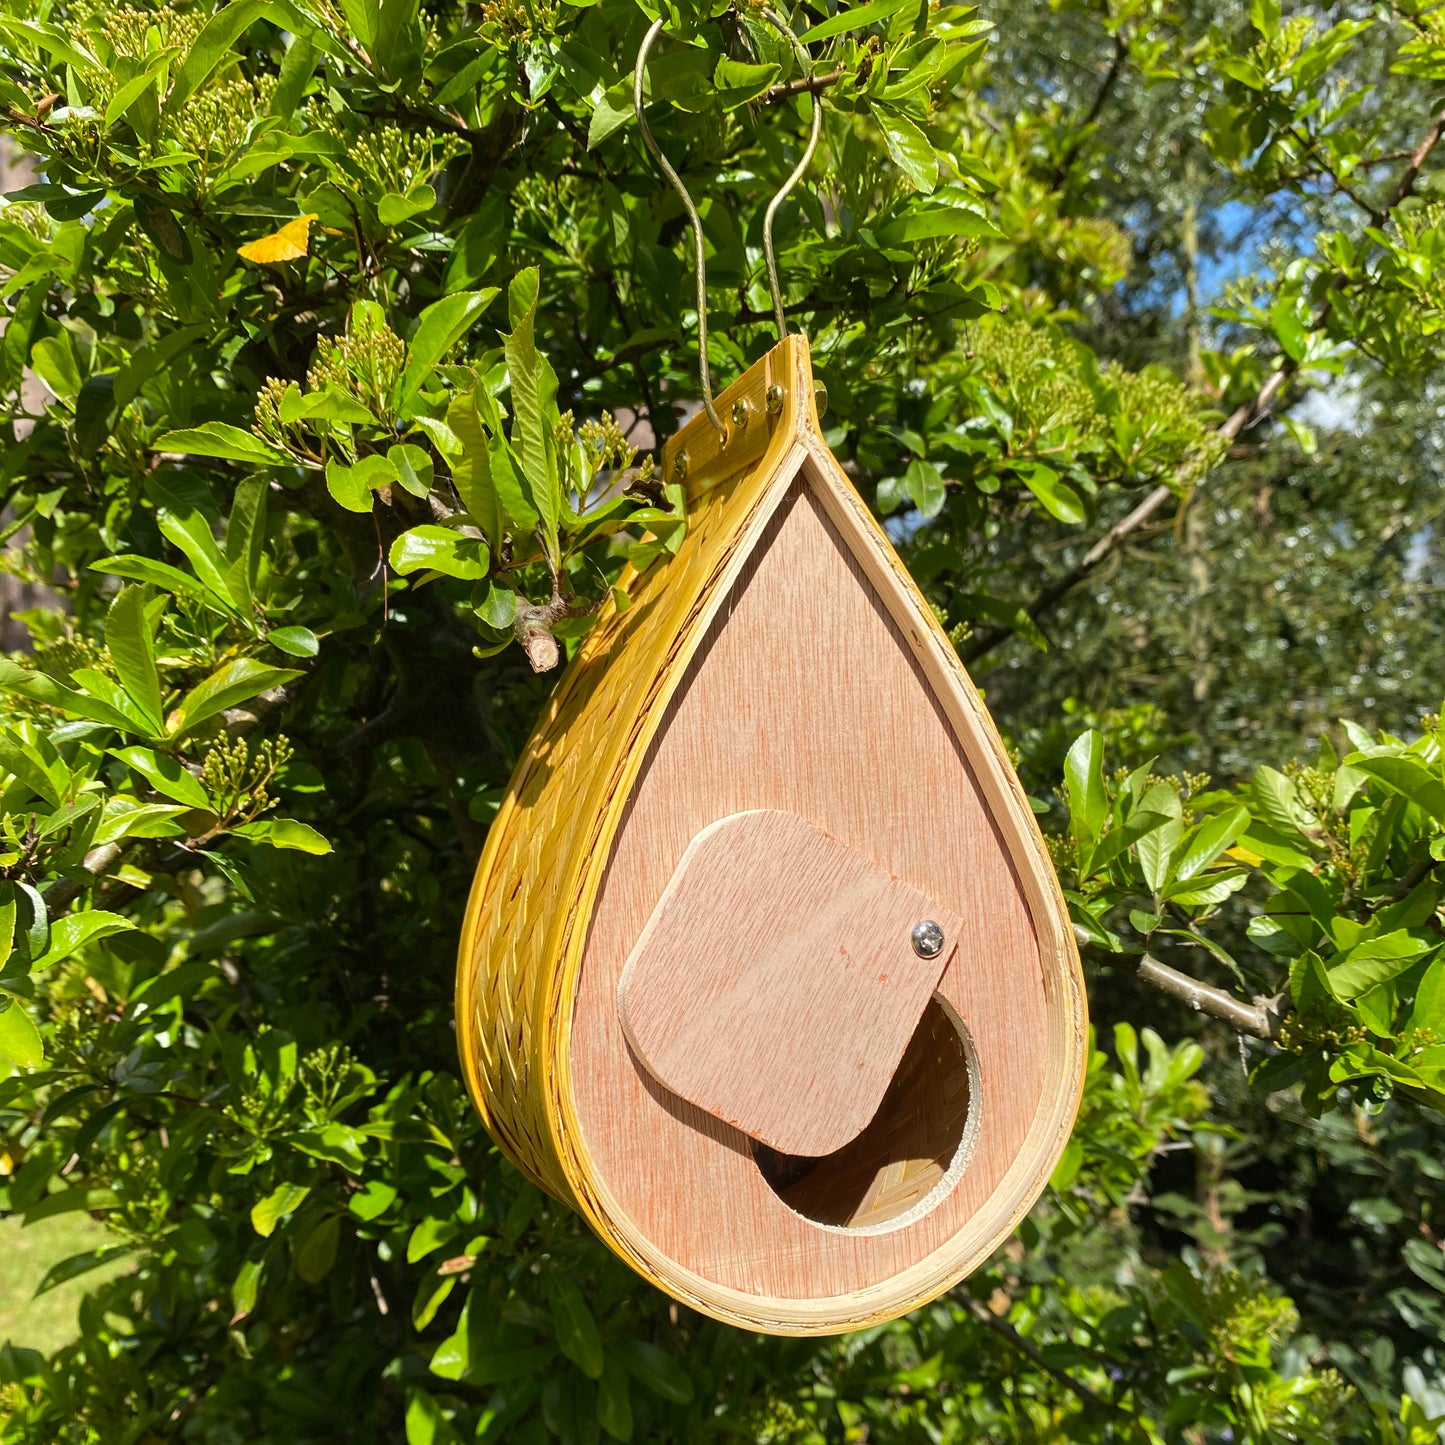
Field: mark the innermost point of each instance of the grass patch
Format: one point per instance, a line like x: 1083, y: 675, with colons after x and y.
x: 27, y: 1254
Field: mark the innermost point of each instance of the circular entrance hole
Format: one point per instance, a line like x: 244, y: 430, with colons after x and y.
x: 911, y: 1144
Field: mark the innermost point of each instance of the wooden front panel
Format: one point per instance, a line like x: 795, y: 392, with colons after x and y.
x: 776, y: 984
x: 805, y: 698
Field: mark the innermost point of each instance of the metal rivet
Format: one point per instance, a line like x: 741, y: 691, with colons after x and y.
x: 774, y: 398
x: 679, y: 465
x: 927, y: 939
x: 741, y: 412
x: 820, y: 397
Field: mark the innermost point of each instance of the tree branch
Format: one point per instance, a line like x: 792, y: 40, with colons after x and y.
x: 1111, y: 79
x: 1242, y: 419
x: 1261, y: 1020
x: 804, y: 85
x: 96, y: 864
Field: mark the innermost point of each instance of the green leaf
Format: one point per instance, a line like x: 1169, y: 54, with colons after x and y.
x: 285, y: 833
x: 75, y: 930
x: 1058, y: 497
x: 297, y: 641
x: 128, y: 636
x: 1084, y: 789
x: 1293, y: 339
x: 23, y: 761
x: 924, y: 484
x: 351, y: 486
x: 577, y: 1335
x: 53, y: 361
x: 911, y: 150
x: 1275, y: 801
x: 190, y: 530
x: 1429, y: 1008
x: 1156, y: 848
x: 245, y: 538
x: 132, y: 91
x: 93, y: 409
x: 79, y: 1264
x: 42, y: 689
x: 1372, y: 962
x: 440, y: 327
x: 613, y: 111
x: 439, y: 549
x: 425, y: 1423
x: 736, y: 82
x: 498, y: 609
x: 927, y: 223
x: 266, y: 1214
x: 614, y: 1401
x: 56, y: 43
x: 316, y: 1254
x: 329, y: 404
x: 533, y: 386
x: 245, y: 1288
x: 414, y: 467
x: 215, y: 41
x: 854, y: 17
x: 1264, y: 15
x: 165, y: 775
x: 147, y: 569
x: 1406, y: 775
x: 472, y: 471
x: 1209, y: 840
x: 234, y: 683
x: 373, y: 1201
x: 1139, y: 824
x: 656, y: 1371
x: 218, y: 439
x: 431, y: 1294
x: 428, y: 1236
x: 394, y: 209
x: 19, y: 1038
x: 123, y: 819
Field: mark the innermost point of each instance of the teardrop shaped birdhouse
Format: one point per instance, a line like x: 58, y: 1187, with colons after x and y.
x: 766, y: 970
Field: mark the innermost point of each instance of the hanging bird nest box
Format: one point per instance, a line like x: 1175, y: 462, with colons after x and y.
x: 765, y: 970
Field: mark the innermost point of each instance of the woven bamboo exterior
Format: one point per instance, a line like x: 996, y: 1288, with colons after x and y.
x: 536, y: 885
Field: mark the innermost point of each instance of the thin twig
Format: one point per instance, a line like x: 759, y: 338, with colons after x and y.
x: 1081, y: 131
x: 804, y: 85
x: 1006, y: 1331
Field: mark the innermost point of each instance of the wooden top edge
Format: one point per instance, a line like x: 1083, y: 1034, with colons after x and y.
x: 703, y: 458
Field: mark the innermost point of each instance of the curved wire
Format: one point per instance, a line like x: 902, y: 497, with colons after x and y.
x: 770, y: 258
x: 805, y: 62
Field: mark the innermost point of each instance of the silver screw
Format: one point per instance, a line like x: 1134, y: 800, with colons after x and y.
x: 741, y: 412
x: 774, y: 399
x: 679, y: 465
x: 927, y: 939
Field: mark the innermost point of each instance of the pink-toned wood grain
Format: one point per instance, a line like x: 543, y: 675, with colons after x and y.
x: 806, y: 697
x: 775, y: 984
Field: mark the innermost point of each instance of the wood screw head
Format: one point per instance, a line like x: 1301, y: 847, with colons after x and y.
x: 741, y: 412
x: 773, y: 397
x: 679, y: 465
x: 820, y: 397
x: 927, y: 939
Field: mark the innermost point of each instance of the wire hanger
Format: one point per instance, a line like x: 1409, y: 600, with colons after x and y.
x: 770, y: 258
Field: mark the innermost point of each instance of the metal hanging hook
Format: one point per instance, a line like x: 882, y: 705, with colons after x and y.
x: 769, y: 257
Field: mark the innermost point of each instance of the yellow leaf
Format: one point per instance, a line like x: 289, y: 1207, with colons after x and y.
x: 290, y: 243
x: 1244, y: 855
